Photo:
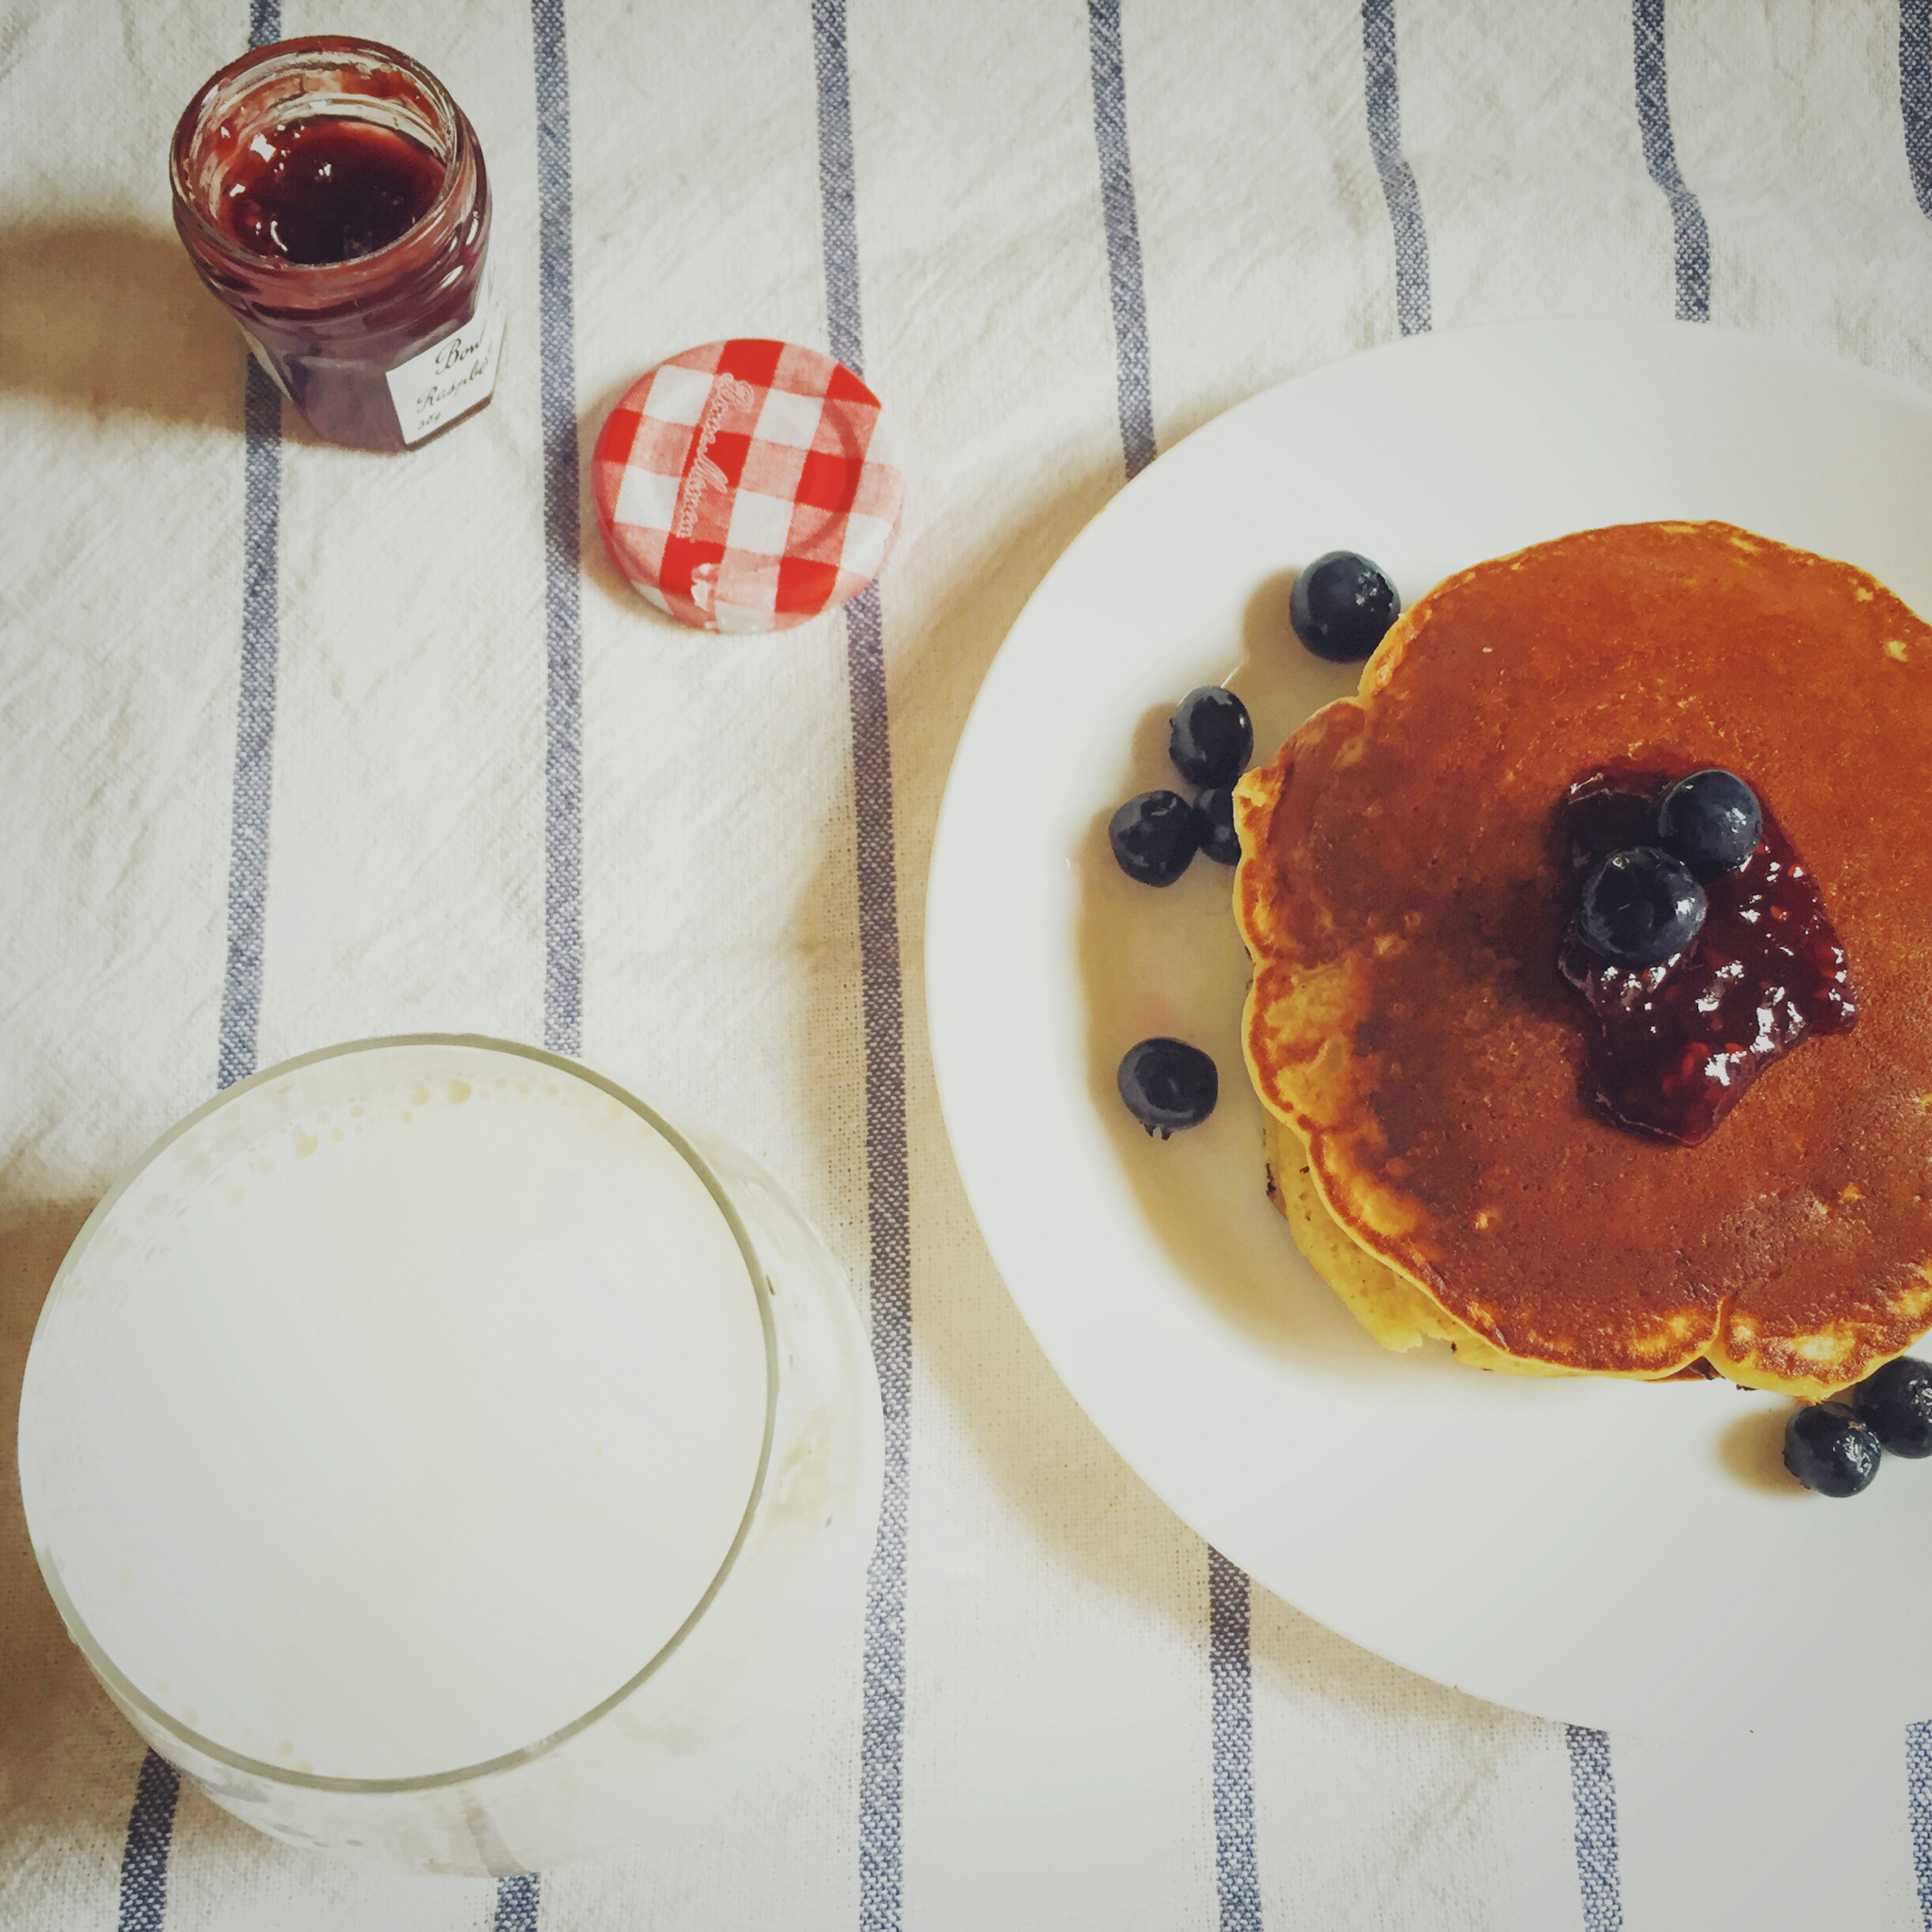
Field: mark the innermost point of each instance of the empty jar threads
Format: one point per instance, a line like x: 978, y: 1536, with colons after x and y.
x: 333, y: 196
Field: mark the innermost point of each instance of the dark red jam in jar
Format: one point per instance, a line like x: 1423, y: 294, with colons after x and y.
x: 333, y: 196
x: 329, y: 189
x: 1672, y: 1047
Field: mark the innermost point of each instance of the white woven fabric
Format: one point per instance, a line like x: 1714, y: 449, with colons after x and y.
x: 1296, y: 180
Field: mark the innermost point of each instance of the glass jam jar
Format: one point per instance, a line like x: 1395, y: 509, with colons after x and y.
x: 333, y: 196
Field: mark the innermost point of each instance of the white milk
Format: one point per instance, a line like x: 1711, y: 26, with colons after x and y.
x: 391, y: 1437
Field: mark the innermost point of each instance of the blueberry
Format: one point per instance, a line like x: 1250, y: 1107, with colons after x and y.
x: 1896, y: 1402
x: 1212, y: 738
x: 1710, y: 820
x: 1214, y: 817
x: 1828, y: 1449
x: 1342, y: 606
x: 1168, y: 1084
x: 1154, y: 837
x: 1639, y: 908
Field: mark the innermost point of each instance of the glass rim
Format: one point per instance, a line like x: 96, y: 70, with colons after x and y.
x: 125, y: 1692
x: 302, y: 275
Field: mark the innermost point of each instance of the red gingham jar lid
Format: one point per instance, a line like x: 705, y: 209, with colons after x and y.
x: 744, y: 486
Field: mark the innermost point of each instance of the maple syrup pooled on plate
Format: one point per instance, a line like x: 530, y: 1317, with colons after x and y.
x: 333, y: 197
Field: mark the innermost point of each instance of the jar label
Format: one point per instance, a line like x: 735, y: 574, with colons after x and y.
x: 449, y: 376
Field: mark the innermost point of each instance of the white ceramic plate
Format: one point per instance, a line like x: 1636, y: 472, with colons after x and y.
x: 1612, y: 1554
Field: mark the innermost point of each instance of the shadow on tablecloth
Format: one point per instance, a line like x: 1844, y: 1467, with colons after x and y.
x: 107, y: 316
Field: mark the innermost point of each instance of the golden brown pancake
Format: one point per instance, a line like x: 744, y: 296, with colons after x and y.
x: 1401, y: 899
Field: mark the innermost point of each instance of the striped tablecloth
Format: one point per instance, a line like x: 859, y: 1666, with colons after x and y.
x: 302, y: 745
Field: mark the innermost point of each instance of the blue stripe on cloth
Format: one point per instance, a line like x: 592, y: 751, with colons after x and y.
x: 837, y: 184
x: 255, y: 727
x: 563, y: 931
x: 563, y: 638
x: 1237, y: 1878
x: 1229, y: 1719
x: 1384, y: 101
x: 1919, y: 1811
x: 1593, y: 1795
x: 1692, y: 240
x: 890, y: 1270
x: 882, y: 1738
x: 151, y: 1822
x: 1123, y: 235
x: 145, y: 1863
x: 1915, y: 94
x: 516, y: 1904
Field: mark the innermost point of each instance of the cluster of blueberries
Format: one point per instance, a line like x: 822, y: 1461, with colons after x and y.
x: 1643, y: 906
x: 1340, y: 607
x: 1155, y: 836
x: 1834, y: 1448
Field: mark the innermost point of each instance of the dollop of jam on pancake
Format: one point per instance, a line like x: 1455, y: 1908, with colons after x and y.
x: 1404, y: 906
x: 1672, y: 1047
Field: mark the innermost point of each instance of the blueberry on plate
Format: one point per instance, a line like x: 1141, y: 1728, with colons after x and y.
x: 1710, y: 820
x: 1214, y: 809
x: 1895, y: 1402
x: 1342, y: 606
x: 1639, y: 908
x: 1154, y: 837
x: 1212, y: 738
x: 1168, y: 1085
x: 1828, y: 1449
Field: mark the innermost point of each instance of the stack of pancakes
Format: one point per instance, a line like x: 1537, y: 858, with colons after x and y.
x: 1420, y: 1057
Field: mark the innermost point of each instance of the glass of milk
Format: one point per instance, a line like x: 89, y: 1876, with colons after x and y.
x: 445, y: 1460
